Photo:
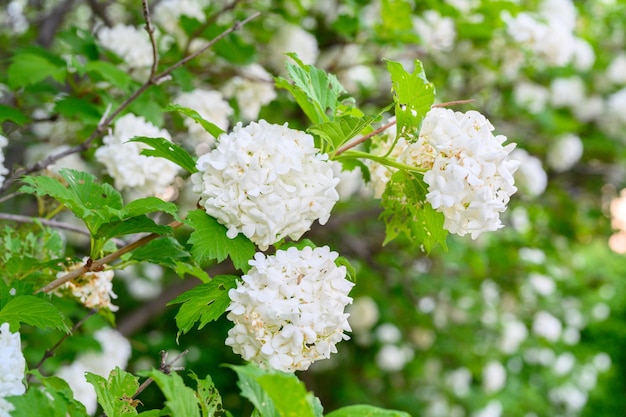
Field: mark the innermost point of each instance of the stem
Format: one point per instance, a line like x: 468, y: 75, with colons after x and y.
x: 364, y: 138
x: 208, y: 22
x: 451, y: 103
x: 165, y: 367
x: 50, y: 352
x: 384, y: 161
x: 100, y: 263
x: 150, y: 29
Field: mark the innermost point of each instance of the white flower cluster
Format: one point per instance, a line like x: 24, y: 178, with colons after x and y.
x: 12, y: 364
x: 470, y: 178
x: 289, y: 309
x: 129, y: 43
x: 437, y: 32
x: 252, y: 88
x: 213, y: 108
x: 116, y: 351
x: 291, y: 38
x: 266, y: 181
x: 167, y: 14
x: 565, y: 152
x: 3, y: 171
x: 92, y: 289
x: 141, y: 175
x: 531, y: 178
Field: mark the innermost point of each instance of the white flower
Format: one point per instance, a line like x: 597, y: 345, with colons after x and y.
x: 3, y: 170
x: 494, y: 377
x: 436, y: 32
x: 492, y: 409
x: 167, y: 15
x: 567, y: 92
x: 129, y: 43
x: 533, y: 97
x: 291, y: 38
x: 388, y: 333
x: 92, y: 289
x: 542, y: 284
x: 12, y: 364
x: 141, y: 175
x: 363, y: 314
x: 288, y: 309
x: 392, y: 358
x: 565, y: 152
x: 513, y: 334
x: 470, y: 178
x: 564, y: 363
x: 584, y: 55
x: 350, y: 182
x: 616, y: 71
x: 459, y: 381
x: 530, y: 177
x: 548, y: 326
x: 381, y: 174
x: 572, y: 397
x: 252, y: 88
x: 266, y: 181
x: 213, y: 108
x: 116, y: 351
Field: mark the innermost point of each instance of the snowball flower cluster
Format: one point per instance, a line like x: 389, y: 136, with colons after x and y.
x: 266, y: 181
x: 212, y: 107
x: 288, y: 309
x: 3, y: 171
x: 565, y: 152
x: 469, y: 177
x: 12, y: 364
x: 116, y: 351
x: 167, y: 14
x: 141, y: 175
x: 437, y: 33
x: 129, y: 43
x: 252, y: 88
x: 93, y: 289
x: 530, y: 178
x: 291, y: 38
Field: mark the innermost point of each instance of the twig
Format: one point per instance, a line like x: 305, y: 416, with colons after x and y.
x: 100, y: 263
x: 150, y: 29
x: 206, y: 24
x: 102, y: 126
x: 364, y: 138
x: 165, y: 367
x: 452, y: 103
x: 50, y: 352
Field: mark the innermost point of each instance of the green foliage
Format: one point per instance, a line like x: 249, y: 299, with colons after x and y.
x: 413, y: 94
x: 33, y: 65
x: 12, y: 114
x: 209, y: 242
x: 275, y: 394
x: 109, y: 72
x: 180, y: 400
x: 115, y: 393
x: 315, y: 91
x: 168, y: 252
x: 205, y: 303
x: 164, y: 148
x: 211, y: 128
x: 209, y: 397
x: 366, y: 411
x: 34, y: 311
x: 37, y: 403
x: 405, y: 211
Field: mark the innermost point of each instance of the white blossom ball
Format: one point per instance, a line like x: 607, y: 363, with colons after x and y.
x: 253, y: 88
x: 363, y: 314
x: 471, y: 177
x: 12, y: 364
x: 3, y: 170
x: 533, y: 97
x: 141, y: 175
x: 212, y: 107
x: 494, y: 377
x: 129, y: 43
x: 288, y: 310
x: 266, y: 181
x: 530, y: 177
x: 392, y: 358
x: 291, y: 38
x: 436, y: 32
x: 565, y: 152
x: 547, y: 326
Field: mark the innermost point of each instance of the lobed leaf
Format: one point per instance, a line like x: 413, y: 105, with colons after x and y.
x: 33, y: 66
x: 208, y: 396
x: 204, y: 303
x: 180, y: 399
x: 164, y: 148
x: 34, y: 311
x: 405, y: 211
x: 209, y: 242
x: 211, y: 128
x: 168, y: 252
x: 115, y: 393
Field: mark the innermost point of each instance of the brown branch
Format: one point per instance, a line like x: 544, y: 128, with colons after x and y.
x: 103, y: 125
x: 364, y: 138
x: 206, y: 24
x: 46, y: 222
x: 100, y: 263
x: 165, y: 367
x: 452, y: 103
x: 50, y: 352
x: 150, y: 29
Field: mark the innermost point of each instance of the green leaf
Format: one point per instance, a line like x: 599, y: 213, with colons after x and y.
x: 351, y: 272
x: 60, y: 396
x: 204, y: 303
x: 405, y: 211
x: 75, y: 108
x: 139, y: 224
x: 288, y: 394
x: 413, y: 94
x: 340, y: 131
x: 366, y: 411
x: 94, y: 203
x: 31, y: 66
x: 396, y: 23
x: 213, y: 129
x: 168, y: 252
x: 12, y: 114
x: 209, y: 242
x: 180, y: 399
x: 164, y: 148
x: 149, y: 205
x: 252, y: 390
x: 315, y: 91
x: 33, y: 311
x: 35, y: 402
x: 115, y: 393
x: 208, y: 396
x: 110, y: 73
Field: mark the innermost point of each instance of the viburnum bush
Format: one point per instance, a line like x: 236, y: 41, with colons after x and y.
x: 359, y: 208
